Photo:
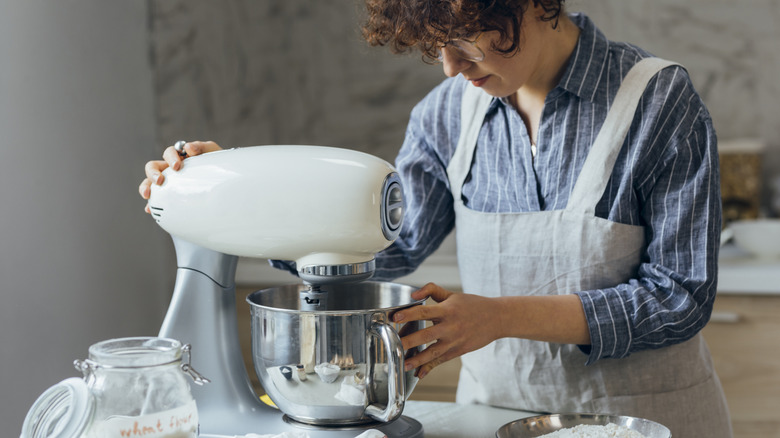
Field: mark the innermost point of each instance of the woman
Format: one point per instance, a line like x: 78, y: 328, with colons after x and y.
x: 587, y: 219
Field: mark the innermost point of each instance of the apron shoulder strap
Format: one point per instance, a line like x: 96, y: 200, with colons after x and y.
x: 474, y: 105
x: 598, y: 166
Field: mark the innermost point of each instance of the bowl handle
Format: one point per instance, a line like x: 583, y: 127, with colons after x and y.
x: 396, y: 385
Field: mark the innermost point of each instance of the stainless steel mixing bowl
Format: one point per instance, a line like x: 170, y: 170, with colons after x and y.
x: 338, y: 361
x: 537, y: 426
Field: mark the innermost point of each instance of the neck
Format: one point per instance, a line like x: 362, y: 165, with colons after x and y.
x: 557, y: 46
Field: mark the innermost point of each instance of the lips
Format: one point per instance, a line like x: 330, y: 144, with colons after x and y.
x: 479, y: 81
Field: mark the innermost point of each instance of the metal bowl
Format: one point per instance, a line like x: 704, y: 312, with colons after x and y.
x: 537, y: 426
x: 349, y: 351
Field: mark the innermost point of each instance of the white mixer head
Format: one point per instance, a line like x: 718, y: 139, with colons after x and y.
x: 328, y: 209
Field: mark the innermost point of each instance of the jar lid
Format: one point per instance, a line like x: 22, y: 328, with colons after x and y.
x: 62, y: 411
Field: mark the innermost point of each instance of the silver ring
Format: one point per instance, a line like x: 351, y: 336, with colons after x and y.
x: 179, y: 146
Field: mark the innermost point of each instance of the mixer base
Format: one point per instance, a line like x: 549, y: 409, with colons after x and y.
x: 403, y: 427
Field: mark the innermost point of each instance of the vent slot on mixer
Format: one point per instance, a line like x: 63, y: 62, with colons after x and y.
x: 156, y: 212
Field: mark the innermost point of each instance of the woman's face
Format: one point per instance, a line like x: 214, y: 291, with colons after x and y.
x: 501, y: 75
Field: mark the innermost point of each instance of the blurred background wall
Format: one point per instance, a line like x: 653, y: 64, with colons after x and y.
x: 242, y: 72
x: 90, y: 90
x: 79, y: 260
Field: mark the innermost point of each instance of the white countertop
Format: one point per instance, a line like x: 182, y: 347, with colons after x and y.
x: 451, y: 420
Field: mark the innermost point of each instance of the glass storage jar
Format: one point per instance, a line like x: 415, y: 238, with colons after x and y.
x: 131, y: 387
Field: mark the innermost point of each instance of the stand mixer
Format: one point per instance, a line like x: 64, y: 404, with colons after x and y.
x: 329, y: 210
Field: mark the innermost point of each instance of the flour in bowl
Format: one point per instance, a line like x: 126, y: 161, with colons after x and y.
x: 590, y: 431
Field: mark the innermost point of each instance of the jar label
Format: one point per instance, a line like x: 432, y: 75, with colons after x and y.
x: 181, y: 422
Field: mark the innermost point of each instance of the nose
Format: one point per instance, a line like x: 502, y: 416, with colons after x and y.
x: 452, y: 63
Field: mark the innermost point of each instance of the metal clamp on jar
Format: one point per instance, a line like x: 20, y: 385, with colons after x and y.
x: 130, y: 386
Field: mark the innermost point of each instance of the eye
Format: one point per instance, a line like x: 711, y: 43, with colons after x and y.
x: 471, y: 38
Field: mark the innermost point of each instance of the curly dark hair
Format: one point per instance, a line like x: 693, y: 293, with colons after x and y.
x: 404, y: 25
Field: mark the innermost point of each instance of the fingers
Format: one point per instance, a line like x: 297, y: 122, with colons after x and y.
x: 145, y: 188
x: 153, y: 170
x: 454, y: 331
x: 440, y: 348
x: 172, y: 159
x: 191, y: 148
x: 421, y: 337
x: 201, y: 147
x: 425, y: 312
x: 431, y: 290
x: 433, y: 356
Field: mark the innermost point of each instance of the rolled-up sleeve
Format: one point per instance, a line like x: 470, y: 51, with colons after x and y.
x: 671, y: 298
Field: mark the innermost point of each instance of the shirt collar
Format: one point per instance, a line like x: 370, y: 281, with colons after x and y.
x: 586, y: 65
x: 588, y: 62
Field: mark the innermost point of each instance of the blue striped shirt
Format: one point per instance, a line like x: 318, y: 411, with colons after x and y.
x: 665, y: 179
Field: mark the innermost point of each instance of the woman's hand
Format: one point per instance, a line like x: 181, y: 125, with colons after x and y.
x: 461, y: 323
x: 465, y: 322
x: 172, y: 159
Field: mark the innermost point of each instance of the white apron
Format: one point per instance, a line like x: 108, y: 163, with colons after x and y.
x: 561, y: 252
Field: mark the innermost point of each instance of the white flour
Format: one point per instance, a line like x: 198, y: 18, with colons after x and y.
x: 588, y: 431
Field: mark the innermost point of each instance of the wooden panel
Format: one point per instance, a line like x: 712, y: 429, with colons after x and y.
x: 440, y: 384
x: 747, y: 360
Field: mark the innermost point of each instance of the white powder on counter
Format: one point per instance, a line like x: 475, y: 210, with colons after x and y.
x: 590, y: 431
